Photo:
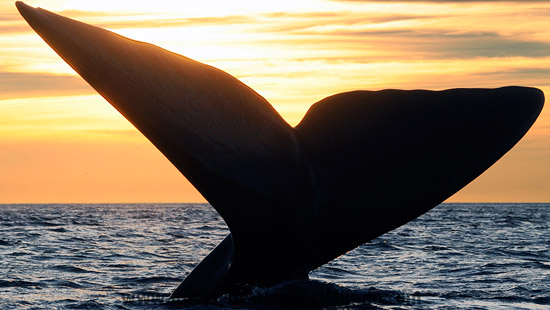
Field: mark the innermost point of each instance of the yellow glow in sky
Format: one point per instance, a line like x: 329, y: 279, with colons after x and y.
x: 61, y: 142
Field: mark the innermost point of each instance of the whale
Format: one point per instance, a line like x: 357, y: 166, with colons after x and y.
x: 358, y: 165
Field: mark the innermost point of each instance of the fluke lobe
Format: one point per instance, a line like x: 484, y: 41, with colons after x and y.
x: 357, y: 166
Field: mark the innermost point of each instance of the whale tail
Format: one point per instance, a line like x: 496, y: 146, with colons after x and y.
x: 357, y: 166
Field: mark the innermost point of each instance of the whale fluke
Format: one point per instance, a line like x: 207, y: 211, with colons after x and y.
x: 357, y: 166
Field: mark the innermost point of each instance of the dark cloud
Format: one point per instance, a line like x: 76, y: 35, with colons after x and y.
x: 356, y: 31
x: 528, y: 76
x: 434, y: 43
x: 23, y: 85
x: 491, y: 46
x: 482, y: 44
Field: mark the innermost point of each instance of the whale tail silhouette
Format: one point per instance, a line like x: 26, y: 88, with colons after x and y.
x: 357, y: 166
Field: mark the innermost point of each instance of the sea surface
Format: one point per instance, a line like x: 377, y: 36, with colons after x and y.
x: 131, y: 256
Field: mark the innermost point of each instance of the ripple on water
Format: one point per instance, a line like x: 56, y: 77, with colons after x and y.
x: 65, y: 283
x: 9, y: 242
x: 146, y: 280
x: 59, y: 229
x: 21, y: 283
x: 454, y: 257
x: 72, y: 269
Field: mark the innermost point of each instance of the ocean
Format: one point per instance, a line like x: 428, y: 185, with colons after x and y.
x: 131, y: 256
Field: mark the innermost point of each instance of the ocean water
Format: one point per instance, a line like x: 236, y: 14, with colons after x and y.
x: 457, y: 256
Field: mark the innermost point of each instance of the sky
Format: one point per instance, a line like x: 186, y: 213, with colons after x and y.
x: 60, y: 142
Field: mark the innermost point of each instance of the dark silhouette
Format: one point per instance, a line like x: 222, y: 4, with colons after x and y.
x: 358, y: 165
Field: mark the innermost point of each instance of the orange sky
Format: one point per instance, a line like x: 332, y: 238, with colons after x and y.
x: 61, y: 142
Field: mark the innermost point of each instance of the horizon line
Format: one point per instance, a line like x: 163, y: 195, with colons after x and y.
x: 137, y: 203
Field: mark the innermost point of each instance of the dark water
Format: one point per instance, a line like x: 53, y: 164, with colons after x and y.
x: 457, y: 256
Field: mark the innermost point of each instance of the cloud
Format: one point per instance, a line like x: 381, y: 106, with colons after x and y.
x: 176, y: 22
x: 295, y: 22
x: 526, y: 76
x: 13, y: 23
x: 489, y: 45
x: 15, y: 85
x: 9, y: 16
x: 445, y: 44
x: 12, y: 29
x: 121, y: 133
x: 425, y: 34
x: 443, y: 1
x: 145, y: 20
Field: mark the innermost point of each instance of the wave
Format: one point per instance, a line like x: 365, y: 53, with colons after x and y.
x: 21, y: 283
x: 72, y: 269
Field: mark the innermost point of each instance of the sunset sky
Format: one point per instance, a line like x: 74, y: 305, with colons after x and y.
x: 60, y: 142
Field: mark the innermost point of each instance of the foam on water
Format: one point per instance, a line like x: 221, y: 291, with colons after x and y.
x: 457, y: 256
